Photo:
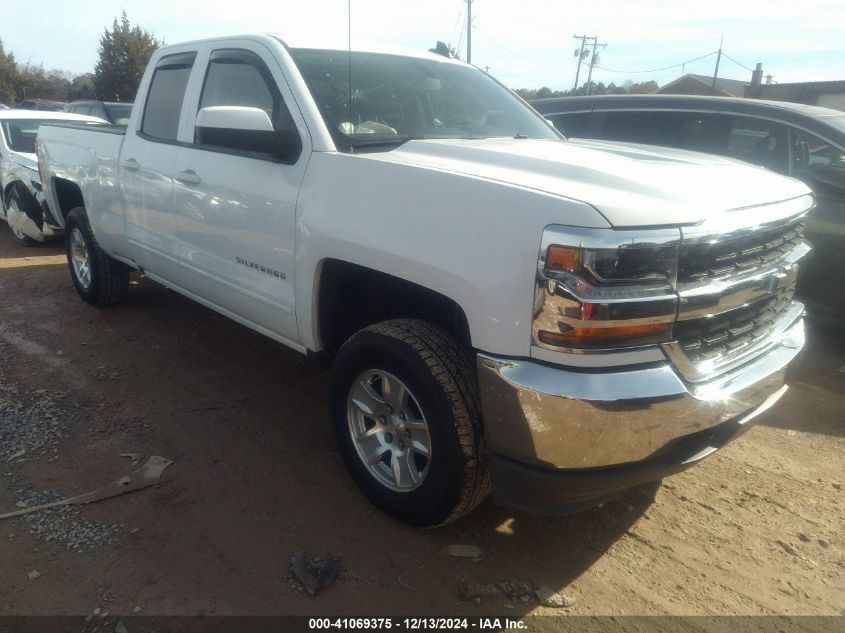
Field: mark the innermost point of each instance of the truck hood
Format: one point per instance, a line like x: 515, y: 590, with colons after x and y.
x: 630, y: 185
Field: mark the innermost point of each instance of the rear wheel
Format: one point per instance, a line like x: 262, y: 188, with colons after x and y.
x: 99, y: 279
x: 405, y: 408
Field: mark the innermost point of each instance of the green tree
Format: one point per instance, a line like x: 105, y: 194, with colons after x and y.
x: 643, y: 88
x: 124, y: 52
x: 9, y: 77
x: 82, y: 87
x: 36, y: 83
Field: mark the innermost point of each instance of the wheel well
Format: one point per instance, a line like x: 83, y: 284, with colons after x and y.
x: 8, y: 191
x: 351, y: 297
x: 68, y: 195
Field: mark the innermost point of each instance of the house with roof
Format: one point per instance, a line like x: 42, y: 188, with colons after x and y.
x: 692, y: 84
x: 828, y: 94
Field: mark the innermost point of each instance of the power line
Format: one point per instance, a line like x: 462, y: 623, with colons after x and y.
x: 505, y: 48
x: 736, y: 62
x: 654, y: 70
x: 458, y: 26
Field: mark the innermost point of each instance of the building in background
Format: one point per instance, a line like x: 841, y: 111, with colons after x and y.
x: 691, y: 84
x: 827, y: 94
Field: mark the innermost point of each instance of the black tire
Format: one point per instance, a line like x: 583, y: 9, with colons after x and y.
x: 109, y: 278
x: 443, y: 382
x: 21, y: 200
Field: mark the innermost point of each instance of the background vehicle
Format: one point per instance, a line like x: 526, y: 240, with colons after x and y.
x: 28, y: 219
x: 114, y: 112
x: 41, y: 104
x: 806, y: 142
x: 493, y: 300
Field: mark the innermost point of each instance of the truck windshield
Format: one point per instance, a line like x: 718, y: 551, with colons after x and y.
x: 20, y: 133
x: 395, y: 98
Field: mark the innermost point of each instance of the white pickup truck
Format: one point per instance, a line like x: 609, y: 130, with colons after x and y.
x: 567, y: 319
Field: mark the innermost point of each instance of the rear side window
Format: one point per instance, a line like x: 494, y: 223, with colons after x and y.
x: 165, y: 96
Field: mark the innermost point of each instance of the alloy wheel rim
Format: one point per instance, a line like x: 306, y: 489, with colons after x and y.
x: 389, y: 430
x: 79, y: 258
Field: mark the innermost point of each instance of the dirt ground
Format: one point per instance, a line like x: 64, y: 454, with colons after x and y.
x: 757, y: 529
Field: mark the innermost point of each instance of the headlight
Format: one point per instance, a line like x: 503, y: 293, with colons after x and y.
x: 605, y: 289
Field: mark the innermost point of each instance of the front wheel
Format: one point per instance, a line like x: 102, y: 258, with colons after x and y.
x: 15, y: 205
x: 404, y: 405
x: 99, y: 279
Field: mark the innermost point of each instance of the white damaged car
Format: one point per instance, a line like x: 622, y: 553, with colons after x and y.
x: 29, y: 220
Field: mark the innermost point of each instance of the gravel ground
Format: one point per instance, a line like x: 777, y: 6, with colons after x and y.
x: 30, y: 422
x: 755, y: 529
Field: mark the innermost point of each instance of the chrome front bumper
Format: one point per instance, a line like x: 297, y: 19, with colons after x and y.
x: 552, y: 418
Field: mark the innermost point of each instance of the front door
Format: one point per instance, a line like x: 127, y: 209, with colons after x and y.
x: 236, y: 208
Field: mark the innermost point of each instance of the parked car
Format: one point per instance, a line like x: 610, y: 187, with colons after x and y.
x: 114, y: 112
x: 41, y: 104
x: 495, y: 301
x: 806, y: 142
x: 28, y: 219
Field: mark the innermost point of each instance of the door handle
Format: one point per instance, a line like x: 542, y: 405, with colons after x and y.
x: 189, y: 177
x: 130, y: 164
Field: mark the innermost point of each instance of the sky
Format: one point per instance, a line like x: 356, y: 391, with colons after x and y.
x: 525, y: 43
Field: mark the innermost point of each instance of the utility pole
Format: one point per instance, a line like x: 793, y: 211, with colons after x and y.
x: 593, y: 61
x: 580, y: 55
x: 469, y: 31
x: 718, y: 59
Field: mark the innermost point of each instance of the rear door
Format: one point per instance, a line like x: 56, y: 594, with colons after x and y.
x: 236, y: 207
x: 146, y: 168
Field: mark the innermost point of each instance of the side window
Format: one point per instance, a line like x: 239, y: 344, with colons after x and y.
x: 165, y: 96
x: 685, y: 130
x: 630, y: 127
x: 758, y: 141
x: 238, y: 77
x: 809, y: 152
x: 81, y: 109
x: 572, y: 124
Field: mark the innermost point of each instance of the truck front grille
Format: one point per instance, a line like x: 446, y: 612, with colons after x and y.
x: 735, y: 294
x: 722, y: 336
x: 708, y: 260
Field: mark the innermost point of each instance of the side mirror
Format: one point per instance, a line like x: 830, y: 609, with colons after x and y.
x: 245, y: 129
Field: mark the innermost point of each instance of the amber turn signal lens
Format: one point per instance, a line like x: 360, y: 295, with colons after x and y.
x: 562, y: 258
x: 594, y: 337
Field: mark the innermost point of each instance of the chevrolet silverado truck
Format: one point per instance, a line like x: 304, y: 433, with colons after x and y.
x: 500, y: 307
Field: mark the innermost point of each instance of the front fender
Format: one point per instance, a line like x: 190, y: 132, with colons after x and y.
x: 472, y: 240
